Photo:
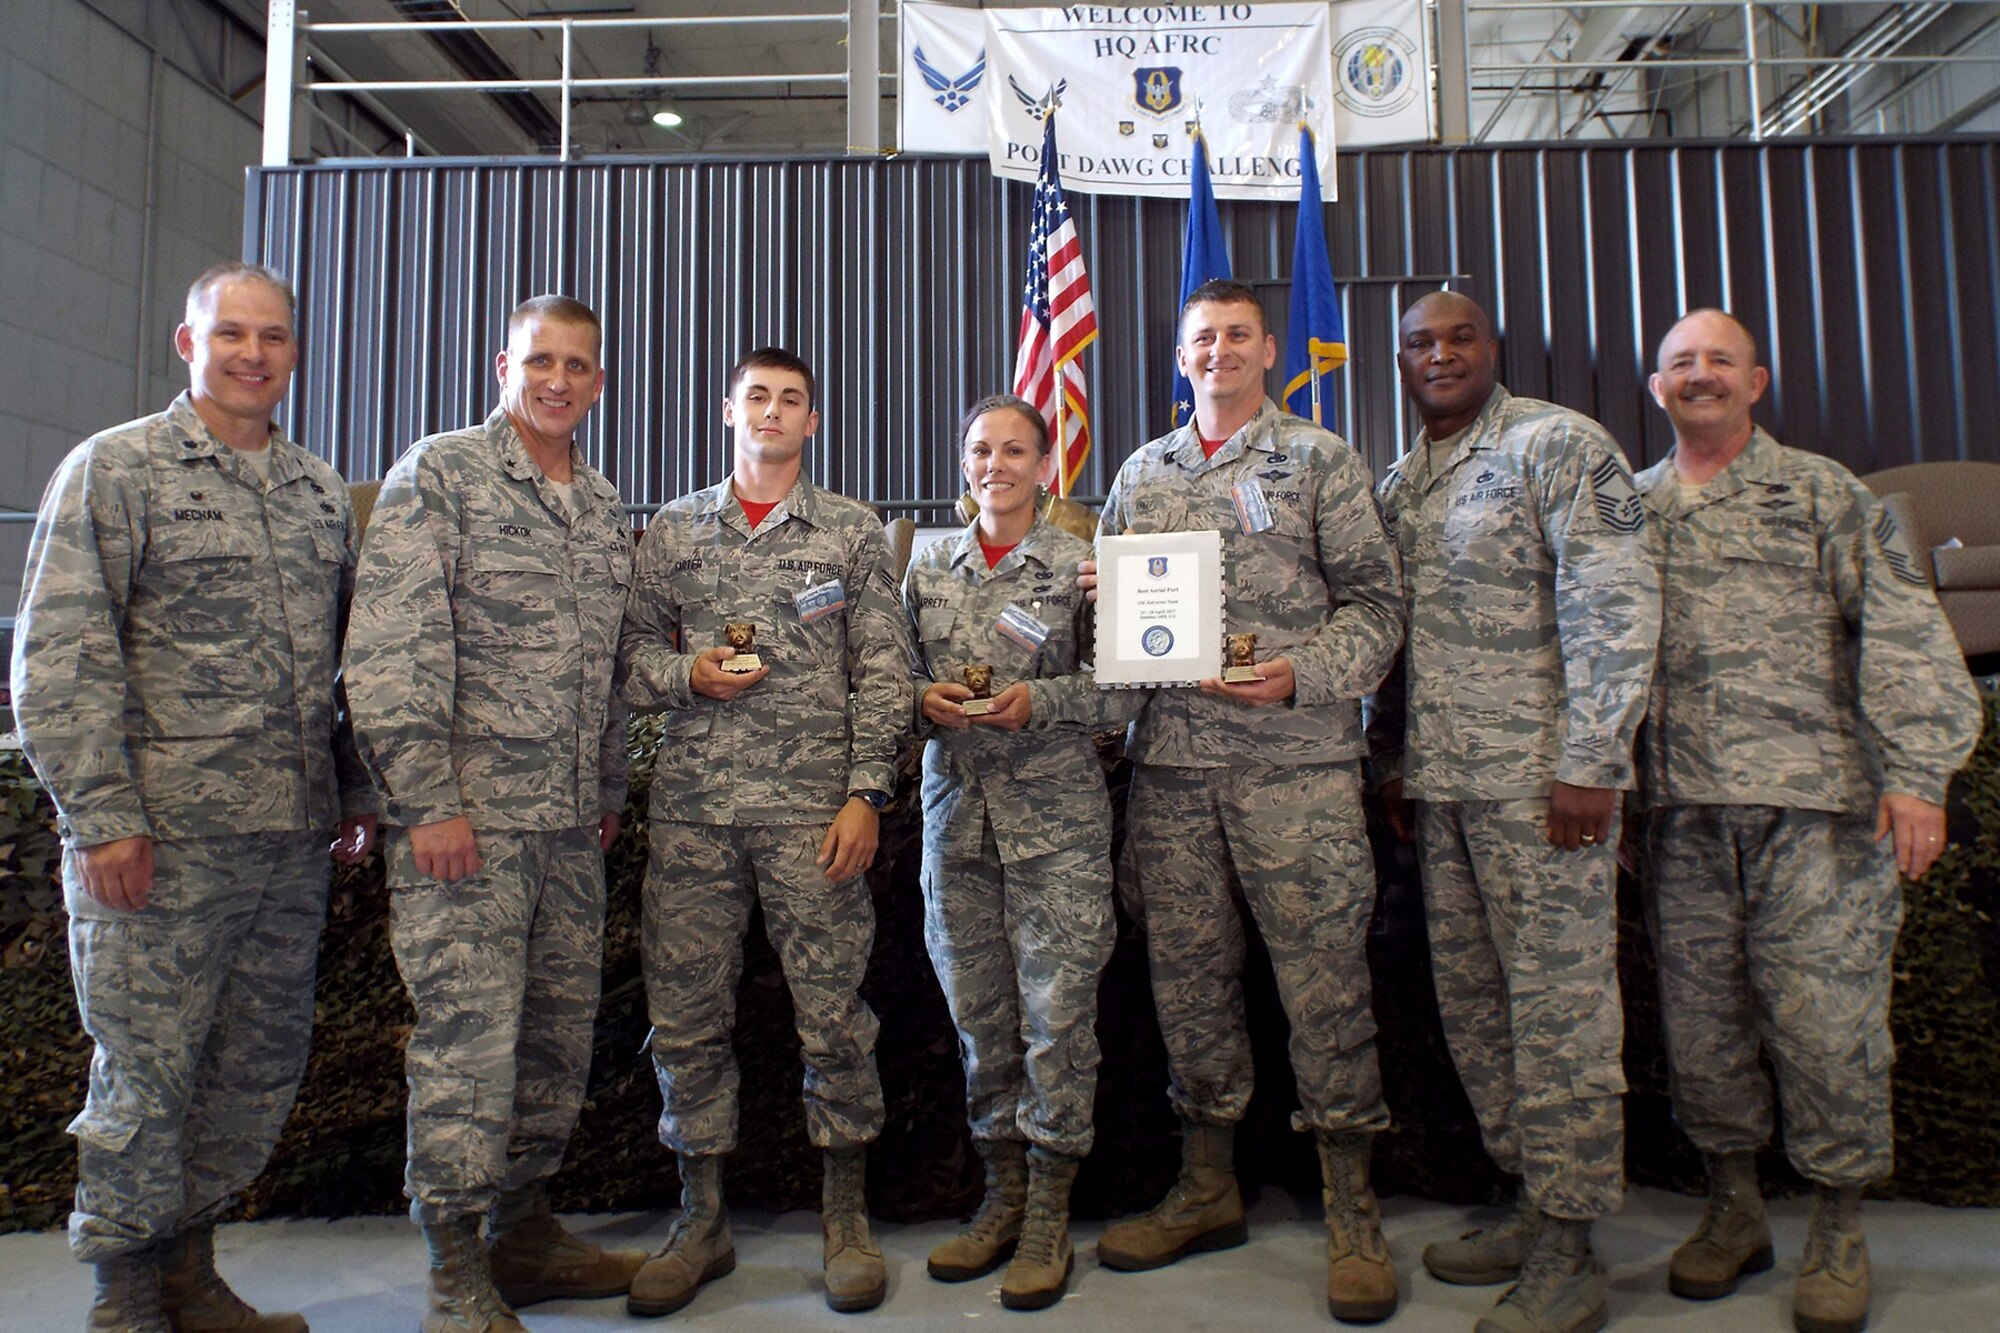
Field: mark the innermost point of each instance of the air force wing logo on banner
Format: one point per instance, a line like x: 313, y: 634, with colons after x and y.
x: 1156, y: 90
x: 952, y: 93
x: 1375, y: 71
x: 1039, y: 107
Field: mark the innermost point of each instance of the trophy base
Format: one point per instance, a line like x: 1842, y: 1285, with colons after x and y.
x: 976, y: 707
x: 1241, y: 675
x: 742, y: 664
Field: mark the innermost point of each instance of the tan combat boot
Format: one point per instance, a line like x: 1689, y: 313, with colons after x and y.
x: 988, y: 1240
x: 699, y: 1248
x: 855, y: 1275
x: 1560, y: 1291
x: 534, y: 1259
x: 1734, y: 1237
x: 1489, y: 1255
x: 461, y: 1298
x: 1039, y: 1275
x: 1832, y: 1295
x: 1360, y: 1274
x: 1203, y: 1210
x: 128, y: 1295
x: 197, y: 1300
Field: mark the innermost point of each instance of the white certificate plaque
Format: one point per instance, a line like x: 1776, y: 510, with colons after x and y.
x: 1159, y: 609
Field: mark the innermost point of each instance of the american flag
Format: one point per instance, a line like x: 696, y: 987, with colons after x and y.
x: 1057, y: 318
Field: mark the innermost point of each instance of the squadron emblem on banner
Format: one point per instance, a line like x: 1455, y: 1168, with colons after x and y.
x: 1375, y: 71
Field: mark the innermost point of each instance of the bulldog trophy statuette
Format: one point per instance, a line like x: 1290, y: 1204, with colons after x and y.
x: 978, y: 679
x: 1242, y: 665
x: 742, y: 636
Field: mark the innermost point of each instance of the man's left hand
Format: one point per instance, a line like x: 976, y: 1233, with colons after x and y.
x: 1919, y: 829
x: 1580, y: 816
x: 607, y: 831
x: 1011, y: 709
x: 354, y: 839
x: 849, y: 848
x: 1277, y: 687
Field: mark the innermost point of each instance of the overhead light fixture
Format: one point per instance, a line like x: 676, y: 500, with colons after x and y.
x: 665, y: 115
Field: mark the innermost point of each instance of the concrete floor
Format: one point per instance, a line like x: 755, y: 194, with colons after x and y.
x: 1937, y: 1270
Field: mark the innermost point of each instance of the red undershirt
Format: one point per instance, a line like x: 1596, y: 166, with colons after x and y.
x: 1208, y: 447
x: 755, y: 512
x: 995, y: 554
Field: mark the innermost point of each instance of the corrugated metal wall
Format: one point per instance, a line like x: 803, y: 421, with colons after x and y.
x: 1869, y: 270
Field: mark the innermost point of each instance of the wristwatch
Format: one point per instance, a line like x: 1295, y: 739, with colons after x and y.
x: 878, y: 799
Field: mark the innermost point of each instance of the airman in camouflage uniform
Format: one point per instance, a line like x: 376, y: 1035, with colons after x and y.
x: 173, y: 677
x: 481, y: 659
x: 1534, y: 614
x: 1017, y: 837
x: 768, y: 789
x: 1263, y: 779
x: 1810, y: 701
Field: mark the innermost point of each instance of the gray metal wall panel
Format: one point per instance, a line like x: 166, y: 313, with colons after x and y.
x: 1870, y: 271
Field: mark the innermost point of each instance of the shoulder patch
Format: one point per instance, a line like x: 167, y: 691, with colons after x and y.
x: 1897, y: 551
x: 1618, y: 506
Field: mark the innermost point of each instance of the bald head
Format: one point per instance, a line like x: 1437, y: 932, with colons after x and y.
x: 1448, y: 359
x: 1708, y: 381
x: 1714, y: 324
x: 1447, y: 307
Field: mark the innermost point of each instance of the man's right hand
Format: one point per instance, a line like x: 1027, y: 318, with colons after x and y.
x: 118, y: 875
x: 1396, y: 811
x: 446, y: 850
x: 711, y: 682
x: 941, y: 705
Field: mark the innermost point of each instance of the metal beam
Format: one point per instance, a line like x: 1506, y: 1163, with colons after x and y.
x: 1454, y: 73
x: 864, y: 76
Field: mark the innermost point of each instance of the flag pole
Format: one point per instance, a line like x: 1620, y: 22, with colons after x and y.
x: 1062, y: 437
x: 1312, y: 353
x: 1062, y: 440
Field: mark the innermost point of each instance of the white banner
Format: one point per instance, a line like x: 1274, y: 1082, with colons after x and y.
x: 1381, y: 73
x: 1380, y: 70
x: 941, y: 90
x: 1131, y: 90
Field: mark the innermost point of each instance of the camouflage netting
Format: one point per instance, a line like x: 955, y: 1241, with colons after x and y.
x: 342, y: 1152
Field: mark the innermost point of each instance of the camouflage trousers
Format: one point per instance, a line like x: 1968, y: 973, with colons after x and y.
x: 503, y: 969
x: 1524, y: 952
x: 700, y: 882
x: 1019, y: 949
x: 201, y: 1006
x: 1776, y: 927
x: 1295, y: 838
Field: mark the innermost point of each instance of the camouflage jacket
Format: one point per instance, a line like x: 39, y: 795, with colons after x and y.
x: 1042, y: 787
x: 485, y: 636
x: 1321, y: 587
x: 180, y: 628
x: 1534, y: 610
x: 1804, y: 662
x: 829, y: 718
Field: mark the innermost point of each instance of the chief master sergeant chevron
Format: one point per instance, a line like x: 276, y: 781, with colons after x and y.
x: 767, y: 789
x: 174, y: 681
x: 485, y: 636
x: 1810, y: 703
x: 1263, y: 779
